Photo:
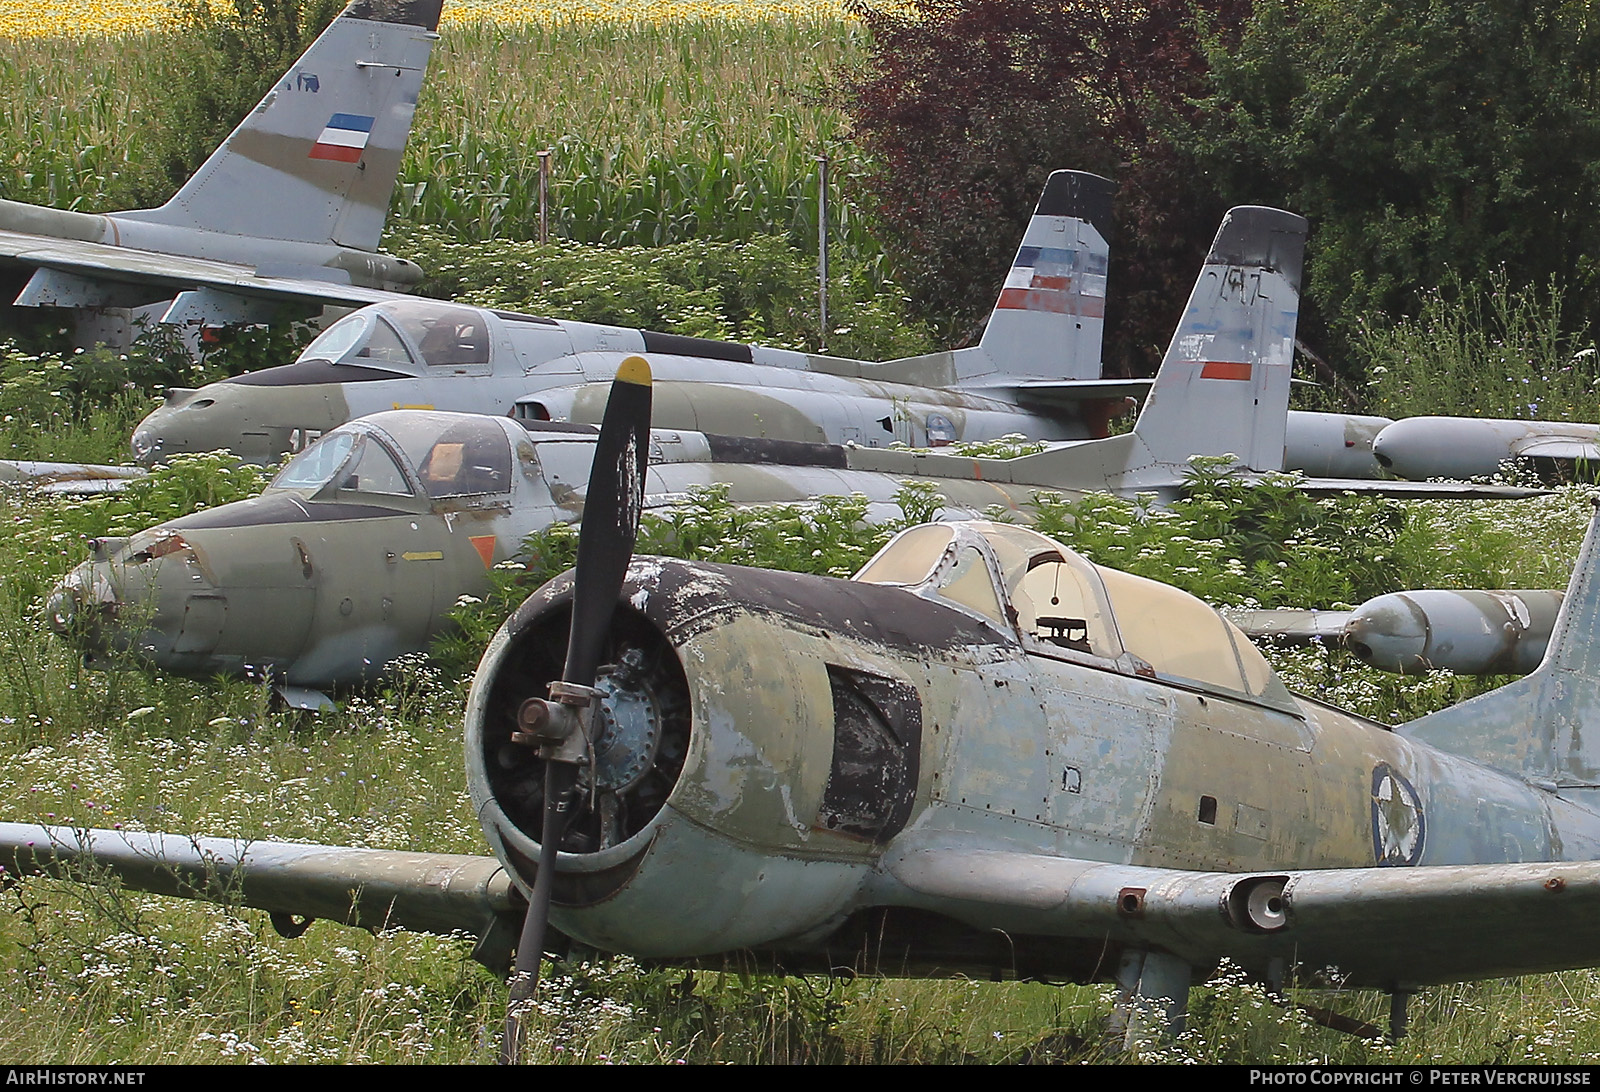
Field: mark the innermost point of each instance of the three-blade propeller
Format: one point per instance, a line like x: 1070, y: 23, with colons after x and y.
x: 606, y: 536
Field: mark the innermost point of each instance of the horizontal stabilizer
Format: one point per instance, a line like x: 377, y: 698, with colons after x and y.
x: 67, y: 479
x: 1561, y: 448
x: 1068, y: 391
x: 1406, y: 490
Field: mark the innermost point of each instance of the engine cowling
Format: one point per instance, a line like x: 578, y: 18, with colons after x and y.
x: 758, y: 745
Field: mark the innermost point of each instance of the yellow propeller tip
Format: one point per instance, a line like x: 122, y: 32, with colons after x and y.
x: 636, y: 370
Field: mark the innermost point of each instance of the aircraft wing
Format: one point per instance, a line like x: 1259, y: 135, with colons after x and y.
x: 371, y: 888
x: 67, y: 479
x: 1066, y: 392
x: 1406, y: 490
x: 1381, y: 927
x: 158, y: 275
x: 1290, y: 625
x: 1558, y: 447
x: 1377, y: 927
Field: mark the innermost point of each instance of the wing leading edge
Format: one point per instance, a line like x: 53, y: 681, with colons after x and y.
x: 1376, y: 927
x: 369, y: 888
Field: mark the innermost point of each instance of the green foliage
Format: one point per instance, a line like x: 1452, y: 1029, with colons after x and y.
x: 82, y: 405
x: 222, y: 64
x: 76, y: 406
x: 65, y: 127
x: 661, y: 131
x: 1236, y: 544
x: 1421, y: 138
x: 965, y: 106
x: 759, y: 290
x: 1481, y: 350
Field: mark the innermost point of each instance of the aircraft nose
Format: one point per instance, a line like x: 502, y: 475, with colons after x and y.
x: 1390, y: 633
x: 146, y: 447
x: 81, y: 602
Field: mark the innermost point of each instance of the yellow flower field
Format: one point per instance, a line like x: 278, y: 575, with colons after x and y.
x: 73, y: 18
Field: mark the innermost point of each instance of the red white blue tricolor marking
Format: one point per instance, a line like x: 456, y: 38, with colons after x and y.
x: 343, y: 138
x: 1057, y: 280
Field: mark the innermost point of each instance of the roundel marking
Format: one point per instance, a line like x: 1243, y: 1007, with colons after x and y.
x: 1398, y: 826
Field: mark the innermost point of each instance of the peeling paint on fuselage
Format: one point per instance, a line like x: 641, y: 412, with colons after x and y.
x: 1023, y: 749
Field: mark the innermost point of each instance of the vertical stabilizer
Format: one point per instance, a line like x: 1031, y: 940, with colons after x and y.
x: 1545, y: 726
x: 316, y: 160
x: 1048, y: 321
x: 1223, y: 387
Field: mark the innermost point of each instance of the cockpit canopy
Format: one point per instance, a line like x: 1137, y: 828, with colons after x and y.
x: 419, y: 333
x: 406, y: 454
x: 1056, y: 602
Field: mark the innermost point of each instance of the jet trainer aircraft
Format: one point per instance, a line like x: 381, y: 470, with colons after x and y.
x: 288, y: 210
x: 982, y: 755
x: 408, y: 352
x: 1035, y: 371
x: 366, y: 540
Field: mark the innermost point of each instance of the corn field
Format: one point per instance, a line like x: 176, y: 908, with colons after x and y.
x: 666, y: 121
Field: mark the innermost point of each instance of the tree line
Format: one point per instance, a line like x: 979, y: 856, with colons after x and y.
x: 1427, y: 141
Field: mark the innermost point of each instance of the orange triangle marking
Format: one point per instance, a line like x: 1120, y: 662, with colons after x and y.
x: 484, y: 544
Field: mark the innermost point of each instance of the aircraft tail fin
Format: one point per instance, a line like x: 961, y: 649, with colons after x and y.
x: 1545, y: 726
x: 1048, y: 321
x: 1223, y: 387
x: 316, y: 160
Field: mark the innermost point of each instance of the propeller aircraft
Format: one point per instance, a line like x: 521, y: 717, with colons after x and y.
x: 981, y: 755
x: 288, y: 210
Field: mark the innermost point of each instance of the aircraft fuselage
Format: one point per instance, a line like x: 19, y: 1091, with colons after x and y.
x: 827, y: 749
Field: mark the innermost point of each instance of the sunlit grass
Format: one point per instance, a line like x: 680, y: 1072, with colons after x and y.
x: 79, y: 18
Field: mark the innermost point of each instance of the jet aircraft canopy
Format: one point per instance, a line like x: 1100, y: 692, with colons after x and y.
x: 406, y: 454
x: 410, y: 334
x: 1056, y: 601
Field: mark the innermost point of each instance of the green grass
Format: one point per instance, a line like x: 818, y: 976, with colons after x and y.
x: 1483, y: 350
x: 662, y: 133
x: 103, y: 977
x: 69, y: 113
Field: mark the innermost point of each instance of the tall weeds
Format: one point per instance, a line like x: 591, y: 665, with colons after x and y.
x: 1482, y: 350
